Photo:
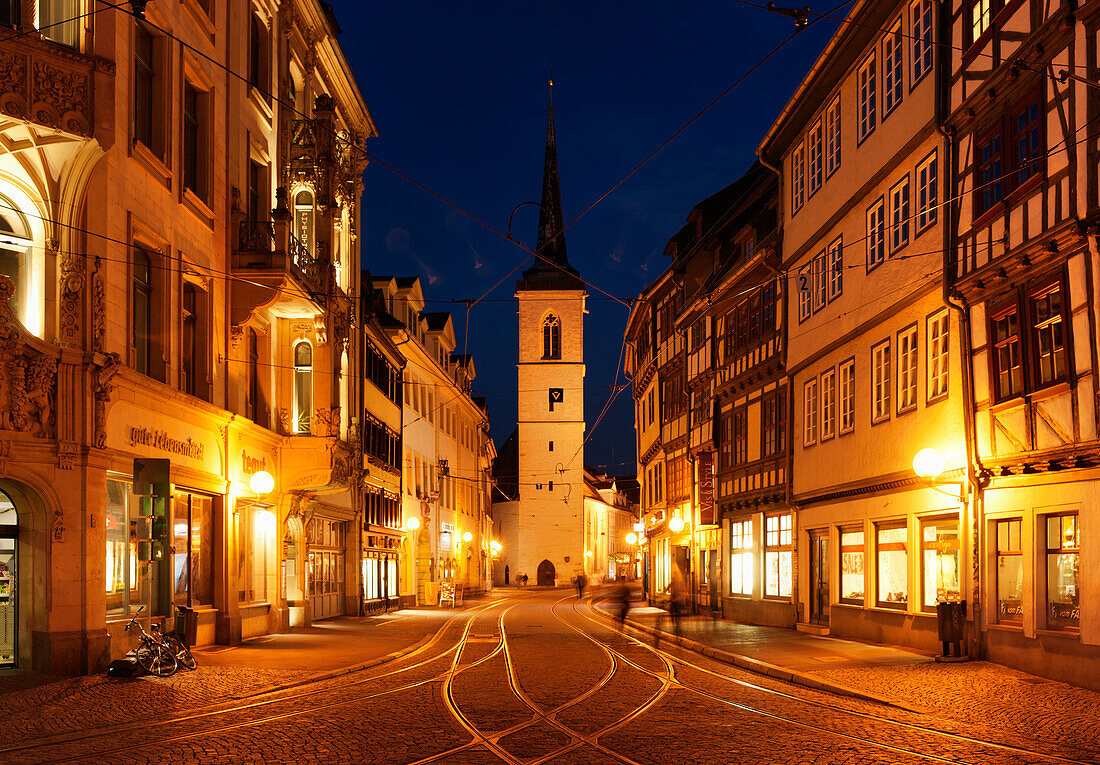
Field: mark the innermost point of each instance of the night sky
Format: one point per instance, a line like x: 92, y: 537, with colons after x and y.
x: 458, y: 92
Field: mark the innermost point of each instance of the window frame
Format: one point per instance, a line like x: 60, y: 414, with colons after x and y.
x: 893, y: 66
x: 820, y: 278
x: 815, y: 153
x: 866, y: 99
x: 1021, y: 302
x: 1018, y: 186
x: 940, y: 361
x: 1017, y: 619
x: 805, y: 292
x: 843, y: 399
x: 881, y: 410
x: 827, y: 398
x: 922, y: 31
x: 1053, y: 622
x: 879, y: 527
x: 810, y: 403
x: 927, y: 191
x: 862, y: 552
x: 832, y: 143
x: 551, y: 338
x: 798, y: 178
x: 876, y: 233
x: 999, y: 177
x: 901, y: 195
x: 834, y: 259
x: 911, y: 369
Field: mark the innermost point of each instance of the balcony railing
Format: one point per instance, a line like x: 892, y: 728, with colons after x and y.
x: 270, y: 246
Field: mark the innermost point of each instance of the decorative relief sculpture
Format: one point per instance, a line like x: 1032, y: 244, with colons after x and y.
x: 99, y: 310
x: 102, y: 387
x: 60, y: 98
x: 13, y: 82
x: 67, y: 454
x: 73, y: 279
x: 28, y: 376
x: 326, y: 422
x: 58, y: 525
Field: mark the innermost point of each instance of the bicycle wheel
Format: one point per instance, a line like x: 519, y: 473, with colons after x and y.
x: 157, y: 660
x: 182, y: 652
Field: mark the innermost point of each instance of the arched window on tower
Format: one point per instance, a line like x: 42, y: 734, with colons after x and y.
x: 303, y: 386
x: 303, y: 220
x: 551, y: 337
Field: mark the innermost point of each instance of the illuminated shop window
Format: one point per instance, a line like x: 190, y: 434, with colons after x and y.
x: 893, y: 565
x: 940, y: 562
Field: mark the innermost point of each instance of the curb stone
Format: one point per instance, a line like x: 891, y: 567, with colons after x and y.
x: 763, y: 667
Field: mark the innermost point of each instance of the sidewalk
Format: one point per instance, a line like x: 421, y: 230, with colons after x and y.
x: 981, y: 697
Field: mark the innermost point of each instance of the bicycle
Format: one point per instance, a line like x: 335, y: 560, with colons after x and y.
x: 177, y: 642
x: 152, y: 654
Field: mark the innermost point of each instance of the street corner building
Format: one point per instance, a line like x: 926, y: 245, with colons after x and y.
x: 876, y: 405
x: 181, y: 299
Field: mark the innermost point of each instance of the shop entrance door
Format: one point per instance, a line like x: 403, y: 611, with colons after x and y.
x: 819, y: 576
x: 325, y: 567
x: 9, y: 529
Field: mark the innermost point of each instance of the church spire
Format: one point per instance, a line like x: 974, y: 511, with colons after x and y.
x: 551, y: 238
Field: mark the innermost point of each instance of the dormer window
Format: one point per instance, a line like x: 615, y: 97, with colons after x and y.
x: 551, y: 337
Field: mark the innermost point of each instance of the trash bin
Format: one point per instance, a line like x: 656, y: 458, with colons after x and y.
x: 186, y: 623
x: 951, y: 625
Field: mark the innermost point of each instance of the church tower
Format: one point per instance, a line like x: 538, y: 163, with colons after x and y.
x: 549, y: 533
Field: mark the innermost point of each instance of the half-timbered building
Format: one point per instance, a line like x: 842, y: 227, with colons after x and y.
x: 1022, y: 269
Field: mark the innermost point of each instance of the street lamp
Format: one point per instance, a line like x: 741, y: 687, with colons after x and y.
x: 676, y: 524
x: 929, y: 465
x: 261, y: 482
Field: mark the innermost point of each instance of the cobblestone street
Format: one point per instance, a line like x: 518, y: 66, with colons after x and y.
x: 535, y: 677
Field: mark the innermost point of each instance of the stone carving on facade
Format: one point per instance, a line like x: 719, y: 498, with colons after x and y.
x: 236, y: 334
x: 102, y: 387
x: 5, y: 453
x: 285, y: 421
x: 28, y: 376
x: 326, y: 422
x: 58, y: 525
x: 13, y: 81
x: 99, y: 310
x: 60, y: 98
x: 72, y: 281
x: 67, y: 454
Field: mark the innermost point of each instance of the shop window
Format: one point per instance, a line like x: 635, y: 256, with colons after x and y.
x: 876, y: 233
x: 832, y: 136
x: 256, y: 541
x: 777, y: 556
x: 662, y: 565
x: 922, y: 21
x: 907, y: 369
x: 866, y: 89
x: 938, y: 333
x: 1010, y: 572
x: 19, y: 263
x: 940, y: 562
x: 851, y: 566
x: 741, y: 557
x: 893, y: 68
x: 893, y: 565
x: 1063, y: 544
x: 303, y: 387
x: 193, y: 545
x: 130, y: 583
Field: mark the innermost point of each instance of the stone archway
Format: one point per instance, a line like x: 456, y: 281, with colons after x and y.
x: 546, y: 574
x: 31, y: 587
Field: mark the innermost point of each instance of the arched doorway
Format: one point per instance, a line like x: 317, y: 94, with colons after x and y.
x: 9, y: 591
x: 546, y: 574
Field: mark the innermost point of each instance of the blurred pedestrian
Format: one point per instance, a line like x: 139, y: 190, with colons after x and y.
x: 677, y: 593
x: 622, y: 602
x: 580, y: 581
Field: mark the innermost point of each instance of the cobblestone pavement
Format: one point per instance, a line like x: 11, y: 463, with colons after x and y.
x: 538, y: 678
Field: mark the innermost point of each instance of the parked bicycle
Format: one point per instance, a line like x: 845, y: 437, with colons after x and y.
x: 177, y: 641
x: 152, y: 654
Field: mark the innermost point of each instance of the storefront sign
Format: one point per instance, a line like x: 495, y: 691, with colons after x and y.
x: 162, y: 440
x: 143, y: 433
x: 705, y: 463
x: 250, y: 464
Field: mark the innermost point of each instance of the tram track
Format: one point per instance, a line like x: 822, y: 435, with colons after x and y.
x: 1009, y: 749
x: 273, y: 697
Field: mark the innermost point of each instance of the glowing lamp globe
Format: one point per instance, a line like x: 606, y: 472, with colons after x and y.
x: 632, y: 538
x: 676, y: 525
x: 928, y: 464
x: 467, y: 537
x: 261, y: 482
x: 412, y: 524
x: 494, y: 546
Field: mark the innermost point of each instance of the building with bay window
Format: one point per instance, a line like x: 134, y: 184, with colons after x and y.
x: 177, y: 263
x: 873, y: 357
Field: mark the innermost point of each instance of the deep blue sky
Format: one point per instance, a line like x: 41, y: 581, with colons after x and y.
x: 458, y: 92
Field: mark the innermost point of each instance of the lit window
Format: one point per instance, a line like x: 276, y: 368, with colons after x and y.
x: 980, y: 17
x: 303, y: 227
x: 60, y: 21
x: 851, y: 566
x: 940, y: 562
x: 1063, y: 565
x: 893, y: 566
x: 1010, y: 572
x: 741, y: 557
x: 777, y: 556
x: 551, y: 338
x: 303, y: 386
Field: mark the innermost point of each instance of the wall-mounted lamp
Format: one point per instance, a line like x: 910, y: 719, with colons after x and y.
x: 929, y: 465
x: 467, y: 536
x: 676, y: 524
x: 261, y: 482
x: 632, y: 538
x: 413, y: 523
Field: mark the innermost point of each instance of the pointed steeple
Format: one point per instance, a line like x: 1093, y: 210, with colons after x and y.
x: 551, y: 238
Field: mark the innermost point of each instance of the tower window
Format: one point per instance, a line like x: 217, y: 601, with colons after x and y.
x: 551, y: 337
x: 551, y: 446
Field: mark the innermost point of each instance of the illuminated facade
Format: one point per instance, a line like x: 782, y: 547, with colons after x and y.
x: 155, y: 306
